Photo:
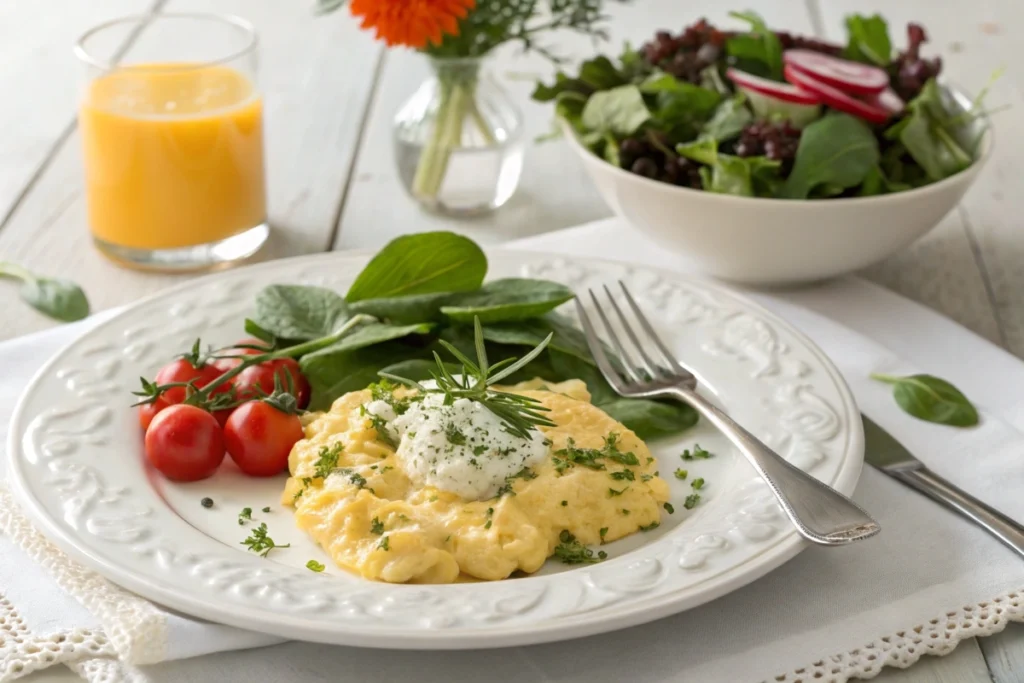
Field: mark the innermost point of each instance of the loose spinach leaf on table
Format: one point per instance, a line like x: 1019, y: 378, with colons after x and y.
x: 619, y: 111
x: 505, y: 300
x: 837, y: 150
x: 868, y: 40
x: 759, y: 51
x: 931, y: 399
x: 299, y: 312
x: 59, y: 299
x: 424, y: 263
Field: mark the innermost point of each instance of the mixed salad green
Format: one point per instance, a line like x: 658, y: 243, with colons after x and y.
x: 764, y: 113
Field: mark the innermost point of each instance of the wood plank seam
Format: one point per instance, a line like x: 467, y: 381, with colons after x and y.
x: 65, y: 134
x: 979, y: 258
x: 364, y: 121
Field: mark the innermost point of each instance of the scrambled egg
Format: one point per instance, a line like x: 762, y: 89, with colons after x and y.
x: 372, y: 519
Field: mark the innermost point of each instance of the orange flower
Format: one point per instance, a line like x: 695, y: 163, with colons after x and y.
x: 413, y: 23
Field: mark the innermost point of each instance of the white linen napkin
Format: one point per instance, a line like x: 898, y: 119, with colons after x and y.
x: 927, y: 582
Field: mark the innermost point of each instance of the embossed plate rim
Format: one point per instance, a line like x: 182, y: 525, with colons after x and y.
x: 773, y: 553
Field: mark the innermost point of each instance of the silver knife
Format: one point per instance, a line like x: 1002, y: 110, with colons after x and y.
x: 890, y: 456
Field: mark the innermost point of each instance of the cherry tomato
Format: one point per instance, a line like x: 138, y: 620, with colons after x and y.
x: 147, y: 411
x: 262, y: 376
x: 182, y: 370
x: 225, y: 364
x: 259, y: 438
x: 184, y: 443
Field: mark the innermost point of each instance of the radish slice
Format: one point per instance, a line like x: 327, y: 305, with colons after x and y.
x: 836, y: 98
x: 851, y: 77
x: 887, y: 100
x: 780, y: 91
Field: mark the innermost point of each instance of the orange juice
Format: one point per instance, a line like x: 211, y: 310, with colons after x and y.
x: 173, y: 155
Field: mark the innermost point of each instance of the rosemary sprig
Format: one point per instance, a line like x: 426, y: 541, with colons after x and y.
x: 519, y: 414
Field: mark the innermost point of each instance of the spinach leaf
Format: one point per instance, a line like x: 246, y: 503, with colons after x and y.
x: 729, y: 119
x: 758, y: 51
x: 418, y: 369
x: 681, y: 108
x: 837, y: 150
x: 423, y: 263
x: 930, y: 135
x: 620, y: 111
x: 404, y: 309
x: 59, y: 299
x: 727, y: 174
x: 506, y: 299
x: 567, y: 337
x: 336, y: 374
x: 600, y: 74
x: 931, y: 399
x: 368, y: 335
x: 299, y: 312
x: 868, y: 40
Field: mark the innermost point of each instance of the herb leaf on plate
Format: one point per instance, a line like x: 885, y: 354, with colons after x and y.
x: 932, y: 399
x: 507, y: 299
x: 423, y: 263
x: 404, y: 309
x: 837, y: 151
x: 868, y: 40
x: 59, y: 299
x: 299, y: 312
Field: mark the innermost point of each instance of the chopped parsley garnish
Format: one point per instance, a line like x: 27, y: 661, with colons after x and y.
x: 649, y: 527
x: 682, y: 474
x: 380, y: 425
x: 448, y: 538
x: 376, y: 526
x: 490, y: 511
x: 455, y: 436
x: 624, y: 511
x: 315, y: 566
x: 669, y: 509
x: 646, y: 477
x: 384, y: 391
x: 386, y: 468
x: 603, y: 532
x: 305, y: 485
x: 206, y: 502
x: 697, y: 483
x: 327, y: 459
x: 479, y: 450
x: 260, y: 542
x: 602, y: 555
x: 244, y: 516
x: 612, y: 492
x: 266, y: 509
x: 649, y: 460
x: 573, y: 455
x: 691, y: 501
x: 624, y: 475
x: 565, y: 503
x: 697, y: 453
x: 571, y: 551
x: 385, y: 544
x: 525, y: 473
x: 356, y: 478
x: 487, y: 525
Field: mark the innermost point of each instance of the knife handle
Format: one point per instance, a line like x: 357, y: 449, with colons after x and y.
x: 996, y: 523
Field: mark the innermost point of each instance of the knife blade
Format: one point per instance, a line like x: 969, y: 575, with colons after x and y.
x: 887, y: 454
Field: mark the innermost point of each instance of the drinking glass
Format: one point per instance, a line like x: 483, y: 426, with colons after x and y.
x: 171, y: 123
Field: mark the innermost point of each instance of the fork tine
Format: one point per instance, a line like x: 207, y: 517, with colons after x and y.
x: 666, y: 354
x: 624, y: 356
x: 597, y: 349
x: 652, y: 367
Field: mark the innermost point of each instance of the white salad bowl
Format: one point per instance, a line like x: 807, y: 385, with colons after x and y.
x: 778, y: 241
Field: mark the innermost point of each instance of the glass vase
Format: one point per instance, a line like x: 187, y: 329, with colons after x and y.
x: 458, y: 140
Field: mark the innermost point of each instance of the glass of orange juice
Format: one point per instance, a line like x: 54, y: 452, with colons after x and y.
x: 171, y: 123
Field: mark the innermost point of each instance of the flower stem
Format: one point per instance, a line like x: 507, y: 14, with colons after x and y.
x: 457, y: 101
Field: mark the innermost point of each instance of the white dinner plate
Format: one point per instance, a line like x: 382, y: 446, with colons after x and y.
x: 78, y: 468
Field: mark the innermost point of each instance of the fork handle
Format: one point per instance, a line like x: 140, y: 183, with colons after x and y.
x: 821, y: 514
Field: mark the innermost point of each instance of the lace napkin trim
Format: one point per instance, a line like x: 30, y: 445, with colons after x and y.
x: 937, y: 637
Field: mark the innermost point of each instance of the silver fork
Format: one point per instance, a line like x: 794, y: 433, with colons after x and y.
x: 821, y: 514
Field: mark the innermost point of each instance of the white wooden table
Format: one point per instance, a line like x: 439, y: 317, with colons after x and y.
x: 330, y: 94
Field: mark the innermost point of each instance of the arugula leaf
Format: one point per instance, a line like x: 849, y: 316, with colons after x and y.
x: 929, y: 135
x: 868, y: 40
x: 729, y: 119
x: 423, y: 263
x: 727, y: 174
x: 931, y: 399
x: 299, y: 312
x: 59, y: 299
x: 507, y: 299
x: 837, y: 151
x: 758, y: 51
x: 620, y: 111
